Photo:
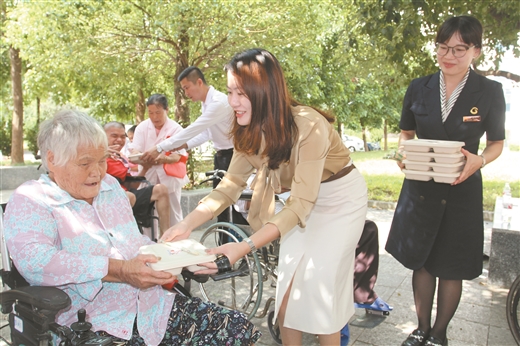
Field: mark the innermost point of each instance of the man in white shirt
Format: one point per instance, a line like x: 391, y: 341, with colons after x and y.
x: 213, y: 124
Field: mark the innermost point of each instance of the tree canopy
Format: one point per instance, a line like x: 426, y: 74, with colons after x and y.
x: 352, y: 58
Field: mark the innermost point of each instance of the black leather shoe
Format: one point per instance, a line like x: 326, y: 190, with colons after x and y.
x: 433, y: 341
x: 417, y: 338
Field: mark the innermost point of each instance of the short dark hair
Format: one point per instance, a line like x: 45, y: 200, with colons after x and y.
x: 158, y: 99
x: 469, y: 28
x: 132, y: 129
x: 192, y: 73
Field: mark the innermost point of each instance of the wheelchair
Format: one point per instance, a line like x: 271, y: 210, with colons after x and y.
x: 513, y: 309
x: 242, y: 288
x: 147, y: 219
x: 32, y: 310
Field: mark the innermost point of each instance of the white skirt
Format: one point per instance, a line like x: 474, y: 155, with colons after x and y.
x: 319, y: 259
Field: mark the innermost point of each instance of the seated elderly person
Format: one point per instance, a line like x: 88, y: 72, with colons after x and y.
x: 140, y: 199
x: 73, y: 228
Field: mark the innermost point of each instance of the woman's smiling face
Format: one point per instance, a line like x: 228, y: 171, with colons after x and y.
x: 452, y: 66
x: 238, y: 101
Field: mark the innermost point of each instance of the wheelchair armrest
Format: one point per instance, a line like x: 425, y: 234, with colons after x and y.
x: 41, y: 297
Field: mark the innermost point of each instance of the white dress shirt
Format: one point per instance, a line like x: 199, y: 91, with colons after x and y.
x: 213, y: 124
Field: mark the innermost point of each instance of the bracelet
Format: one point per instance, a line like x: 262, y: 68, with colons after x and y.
x: 249, y: 242
x: 483, y: 161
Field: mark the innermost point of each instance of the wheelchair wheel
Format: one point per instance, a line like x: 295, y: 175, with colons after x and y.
x: 274, y: 329
x: 243, y: 292
x: 513, y: 309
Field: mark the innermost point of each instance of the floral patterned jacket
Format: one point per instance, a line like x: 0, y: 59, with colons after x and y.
x: 56, y: 240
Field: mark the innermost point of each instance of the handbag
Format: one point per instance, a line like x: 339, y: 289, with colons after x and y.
x: 176, y: 169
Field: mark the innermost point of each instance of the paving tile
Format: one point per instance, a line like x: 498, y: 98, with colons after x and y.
x: 500, y: 336
x: 473, y: 313
x: 401, y: 297
x: 385, y: 334
x: 479, y: 320
x: 467, y: 332
x: 359, y: 343
x: 498, y: 317
x: 394, y: 280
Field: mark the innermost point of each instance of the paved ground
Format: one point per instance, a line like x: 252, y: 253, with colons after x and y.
x: 480, y: 319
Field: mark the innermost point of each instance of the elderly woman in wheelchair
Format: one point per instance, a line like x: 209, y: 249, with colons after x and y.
x: 73, y: 229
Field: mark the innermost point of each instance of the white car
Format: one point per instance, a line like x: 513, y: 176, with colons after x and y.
x: 353, y: 143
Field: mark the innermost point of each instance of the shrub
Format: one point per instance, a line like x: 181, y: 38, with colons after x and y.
x: 31, y: 137
x: 5, y: 137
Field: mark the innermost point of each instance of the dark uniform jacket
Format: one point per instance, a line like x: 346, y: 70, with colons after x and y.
x: 436, y: 225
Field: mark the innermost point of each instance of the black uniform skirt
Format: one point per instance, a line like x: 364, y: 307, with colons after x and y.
x: 439, y: 227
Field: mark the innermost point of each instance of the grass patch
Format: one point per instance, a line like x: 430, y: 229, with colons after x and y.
x: 494, y: 188
x: 386, y: 188
x: 370, y: 155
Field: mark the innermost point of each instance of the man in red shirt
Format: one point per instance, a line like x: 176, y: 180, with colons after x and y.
x: 140, y: 199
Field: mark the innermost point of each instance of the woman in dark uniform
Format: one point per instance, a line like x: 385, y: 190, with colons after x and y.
x: 437, y: 230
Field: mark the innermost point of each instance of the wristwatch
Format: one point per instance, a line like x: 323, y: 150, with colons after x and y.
x: 158, y: 148
x: 483, y: 160
x: 249, y: 242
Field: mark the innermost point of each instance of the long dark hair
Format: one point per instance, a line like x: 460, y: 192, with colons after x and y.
x: 260, y: 77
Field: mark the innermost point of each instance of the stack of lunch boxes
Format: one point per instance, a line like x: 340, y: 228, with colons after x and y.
x: 428, y: 159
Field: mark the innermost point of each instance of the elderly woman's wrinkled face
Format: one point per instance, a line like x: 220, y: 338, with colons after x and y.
x: 157, y: 115
x: 81, y: 177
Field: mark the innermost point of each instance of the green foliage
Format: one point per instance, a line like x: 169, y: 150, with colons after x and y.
x: 5, y: 136
x: 352, y: 58
x: 514, y: 147
x: 494, y: 189
x: 405, y: 30
x: 31, y: 138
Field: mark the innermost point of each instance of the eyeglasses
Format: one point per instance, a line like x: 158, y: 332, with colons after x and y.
x: 458, y: 51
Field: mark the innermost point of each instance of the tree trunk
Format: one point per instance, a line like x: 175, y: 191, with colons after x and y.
x: 38, y: 112
x: 385, y: 135
x: 17, y: 132
x: 181, y: 110
x: 499, y: 73
x: 140, y: 107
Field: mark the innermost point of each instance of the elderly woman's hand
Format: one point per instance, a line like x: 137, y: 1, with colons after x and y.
x: 137, y: 273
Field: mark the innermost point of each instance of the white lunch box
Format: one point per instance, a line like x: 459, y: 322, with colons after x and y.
x: 447, y: 178
x: 434, y: 157
x: 434, y: 166
x: 432, y: 145
x: 177, y: 255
